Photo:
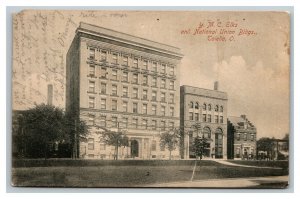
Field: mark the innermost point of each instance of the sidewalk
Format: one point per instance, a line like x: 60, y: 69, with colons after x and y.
x: 226, y: 182
x: 241, y: 165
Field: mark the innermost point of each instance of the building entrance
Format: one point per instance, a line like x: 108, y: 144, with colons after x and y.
x: 134, y: 148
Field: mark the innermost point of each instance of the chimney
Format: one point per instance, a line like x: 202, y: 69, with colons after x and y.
x: 50, y: 94
x: 216, y: 85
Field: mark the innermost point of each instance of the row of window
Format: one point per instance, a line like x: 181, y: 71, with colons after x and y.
x: 205, y: 117
x: 135, y: 78
x: 134, y: 94
x: 91, y: 145
x: 244, y: 136
x: 124, y: 123
x: 205, y: 107
x: 134, y: 108
x: 135, y: 62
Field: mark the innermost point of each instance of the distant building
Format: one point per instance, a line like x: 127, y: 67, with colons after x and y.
x: 122, y: 82
x: 241, y: 139
x: 208, y: 108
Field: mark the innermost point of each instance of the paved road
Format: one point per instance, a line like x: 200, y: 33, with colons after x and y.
x: 254, y: 182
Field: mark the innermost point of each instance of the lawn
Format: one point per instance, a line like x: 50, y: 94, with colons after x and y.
x: 131, y: 174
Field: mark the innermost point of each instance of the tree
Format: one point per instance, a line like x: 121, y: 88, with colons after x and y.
x: 41, y: 126
x: 170, y: 140
x: 116, y: 139
x: 265, y: 144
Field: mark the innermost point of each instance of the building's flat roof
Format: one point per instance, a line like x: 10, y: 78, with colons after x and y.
x: 127, y: 38
x: 204, y: 92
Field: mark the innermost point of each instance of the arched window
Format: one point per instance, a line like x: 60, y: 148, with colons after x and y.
x: 216, y: 108
x: 209, y: 107
x: 196, y: 105
x: 206, y: 132
x: 221, y: 108
x: 204, y: 106
x: 191, y: 104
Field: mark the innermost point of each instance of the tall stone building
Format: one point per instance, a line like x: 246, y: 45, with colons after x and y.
x: 241, y: 138
x: 122, y: 82
x: 207, y: 109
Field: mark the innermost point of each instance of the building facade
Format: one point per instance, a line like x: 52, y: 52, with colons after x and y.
x: 207, y: 108
x: 122, y: 82
x: 241, y: 138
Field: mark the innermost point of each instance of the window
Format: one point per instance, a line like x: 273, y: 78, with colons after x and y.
x: 209, y: 107
x: 145, y: 64
x: 91, y: 120
x: 103, y: 104
x: 196, y: 116
x: 172, y: 70
x: 171, y: 125
x: 216, y: 119
x: 163, y: 97
x: 144, y: 110
x: 154, y: 108
x: 172, y: 111
x: 125, y: 91
x: 196, y: 105
x: 114, y: 58
x: 103, y: 88
x: 154, y: 124
x: 92, y: 53
x: 171, y: 98
x: 135, y: 78
x: 91, y: 102
x: 163, y: 125
x: 206, y: 132
x: 125, y: 106
x: 103, y: 72
x: 209, y: 118
x: 135, y: 62
x: 134, y: 107
x: 221, y: 119
x: 172, y: 85
x: 125, y: 60
x: 114, y: 122
x: 135, y: 123
x: 114, y: 105
x: 238, y: 137
x: 191, y: 105
x: 163, y: 83
x: 91, y: 86
x: 191, y: 116
x: 144, y: 123
x: 238, y: 151
x: 163, y: 110
x: 221, y: 108
x: 135, y: 93
x: 145, y: 94
x: 91, y: 155
x: 125, y: 122
x: 245, y: 136
x: 154, y: 81
x: 102, y: 146
x: 153, y: 145
x: 204, y: 117
x: 252, y: 137
x: 103, y: 55
x: 154, y: 66
x: 91, y: 143
x: 114, y: 74
x: 114, y: 90
x: 92, y: 70
x: 145, y: 79
x: 216, y: 108
x: 204, y: 107
x: 125, y: 76
x: 163, y: 68
x: 103, y: 121
x: 154, y: 95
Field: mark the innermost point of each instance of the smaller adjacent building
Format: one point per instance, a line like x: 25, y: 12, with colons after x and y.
x: 241, y: 140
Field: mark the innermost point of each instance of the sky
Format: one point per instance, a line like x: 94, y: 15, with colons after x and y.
x: 246, y: 52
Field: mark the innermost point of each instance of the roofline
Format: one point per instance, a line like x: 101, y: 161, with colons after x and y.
x: 203, y: 88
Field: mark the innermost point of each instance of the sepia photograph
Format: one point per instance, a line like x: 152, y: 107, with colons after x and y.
x: 150, y: 99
